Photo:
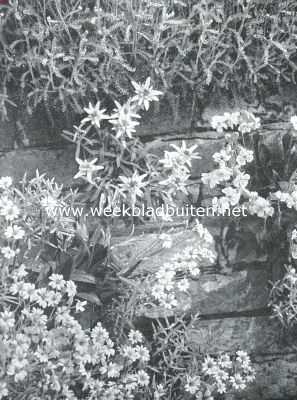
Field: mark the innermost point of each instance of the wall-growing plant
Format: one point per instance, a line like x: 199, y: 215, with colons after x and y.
x: 45, y: 350
x: 66, y: 53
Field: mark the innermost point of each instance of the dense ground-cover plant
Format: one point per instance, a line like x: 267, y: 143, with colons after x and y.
x: 178, y: 368
x: 46, y: 353
x: 64, y: 52
x: 186, y: 373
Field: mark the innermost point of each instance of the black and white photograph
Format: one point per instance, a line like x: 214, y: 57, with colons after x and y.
x: 148, y: 200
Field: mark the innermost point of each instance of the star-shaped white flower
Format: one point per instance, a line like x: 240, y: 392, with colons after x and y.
x: 122, y: 120
x: 95, y: 114
x: 133, y: 185
x: 87, y: 169
x: 186, y: 154
x: 145, y: 94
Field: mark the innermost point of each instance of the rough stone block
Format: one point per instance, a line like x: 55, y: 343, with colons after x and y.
x: 256, y: 335
x: 240, y: 291
x: 55, y: 163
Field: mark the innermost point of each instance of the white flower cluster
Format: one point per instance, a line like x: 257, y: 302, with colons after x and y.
x: 177, y: 165
x: 221, y: 374
x: 232, y: 160
x: 244, y: 121
x: 24, y: 213
x: 172, y: 278
x: 123, y: 120
x: 290, y: 199
x: 10, y: 220
x: 259, y: 206
x: 46, y: 346
x: 231, y: 175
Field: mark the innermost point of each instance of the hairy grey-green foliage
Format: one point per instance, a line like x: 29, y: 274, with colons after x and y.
x: 66, y: 52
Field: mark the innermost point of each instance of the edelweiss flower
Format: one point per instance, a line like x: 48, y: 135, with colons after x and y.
x: 145, y: 94
x: 87, y: 168
x: 122, y: 119
x: 133, y: 185
x: 177, y: 180
x: 169, y: 160
x: 185, y: 155
x: 95, y: 114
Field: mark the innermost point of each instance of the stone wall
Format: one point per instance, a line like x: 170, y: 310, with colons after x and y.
x: 232, y: 302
